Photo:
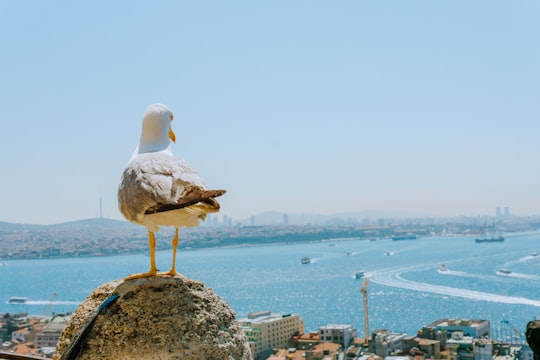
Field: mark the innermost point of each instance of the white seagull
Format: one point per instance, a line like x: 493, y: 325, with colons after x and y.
x: 158, y: 189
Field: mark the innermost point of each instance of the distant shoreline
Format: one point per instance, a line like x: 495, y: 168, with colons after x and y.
x: 102, y: 237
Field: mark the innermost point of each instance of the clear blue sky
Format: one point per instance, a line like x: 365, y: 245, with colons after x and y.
x: 430, y: 107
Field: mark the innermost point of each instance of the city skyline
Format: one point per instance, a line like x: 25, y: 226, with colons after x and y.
x: 305, y: 107
x: 367, y: 218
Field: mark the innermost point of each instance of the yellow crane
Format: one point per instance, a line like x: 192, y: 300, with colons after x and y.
x: 363, y: 289
x: 49, y: 305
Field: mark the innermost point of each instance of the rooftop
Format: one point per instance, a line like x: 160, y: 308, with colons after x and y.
x: 458, y: 322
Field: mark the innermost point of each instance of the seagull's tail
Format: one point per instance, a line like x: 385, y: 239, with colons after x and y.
x: 194, y: 196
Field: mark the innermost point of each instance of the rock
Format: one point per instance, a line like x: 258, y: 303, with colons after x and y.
x: 159, y: 317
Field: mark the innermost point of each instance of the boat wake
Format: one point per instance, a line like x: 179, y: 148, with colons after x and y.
x: 47, y: 302
x: 392, y: 277
x: 533, y: 256
x: 468, y: 275
x: 519, y: 275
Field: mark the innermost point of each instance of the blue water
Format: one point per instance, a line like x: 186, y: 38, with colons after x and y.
x: 406, y: 290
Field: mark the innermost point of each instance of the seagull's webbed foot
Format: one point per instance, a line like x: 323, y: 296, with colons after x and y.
x: 171, y: 272
x: 142, y: 275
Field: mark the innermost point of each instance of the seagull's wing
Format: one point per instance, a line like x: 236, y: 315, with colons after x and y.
x: 158, y: 182
x: 191, y: 197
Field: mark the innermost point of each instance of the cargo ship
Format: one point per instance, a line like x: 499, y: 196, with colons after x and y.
x: 408, y: 236
x: 498, y: 238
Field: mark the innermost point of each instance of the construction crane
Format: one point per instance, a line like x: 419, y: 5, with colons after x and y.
x: 517, y: 333
x: 363, y: 289
x: 49, y: 305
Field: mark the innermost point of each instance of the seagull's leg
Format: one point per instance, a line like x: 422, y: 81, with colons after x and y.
x: 172, y: 271
x: 153, y: 269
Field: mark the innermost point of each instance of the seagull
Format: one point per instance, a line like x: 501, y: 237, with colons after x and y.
x: 158, y: 189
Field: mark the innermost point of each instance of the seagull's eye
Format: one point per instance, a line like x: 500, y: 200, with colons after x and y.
x: 172, y: 117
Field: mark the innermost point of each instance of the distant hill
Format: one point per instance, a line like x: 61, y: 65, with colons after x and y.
x: 96, y: 222
x: 76, y: 238
x: 78, y: 224
x: 10, y: 227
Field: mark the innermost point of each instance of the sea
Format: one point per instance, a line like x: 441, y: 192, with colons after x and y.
x: 406, y: 290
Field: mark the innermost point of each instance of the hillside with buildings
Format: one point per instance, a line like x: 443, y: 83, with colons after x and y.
x: 102, y: 237
x: 281, y: 336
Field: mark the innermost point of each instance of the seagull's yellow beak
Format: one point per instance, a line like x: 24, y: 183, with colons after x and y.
x: 171, y: 132
x: 172, y: 136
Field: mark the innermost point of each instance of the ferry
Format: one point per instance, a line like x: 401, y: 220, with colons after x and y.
x: 498, y: 238
x: 17, y: 300
x: 408, y: 236
x: 305, y: 260
x: 443, y: 267
x: 359, y: 274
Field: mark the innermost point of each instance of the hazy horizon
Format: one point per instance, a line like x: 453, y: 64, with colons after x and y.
x: 423, y: 107
x: 273, y: 217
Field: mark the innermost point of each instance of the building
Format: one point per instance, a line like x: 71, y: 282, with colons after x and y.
x: 472, y: 328
x: 339, y: 334
x: 430, y: 347
x: 50, y: 335
x: 483, y: 349
x: 434, y: 333
x: 305, y: 341
x: 326, y: 350
x: 21, y: 335
x: 386, y: 343
x: 460, y: 346
x: 266, y: 331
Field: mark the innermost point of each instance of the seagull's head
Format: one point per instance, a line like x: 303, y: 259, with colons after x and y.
x: 157, y: 133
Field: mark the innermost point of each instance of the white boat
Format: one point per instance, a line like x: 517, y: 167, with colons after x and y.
x: 17, y: 300
x: 443, y: 267
x: 305, y: 260
x: 534, y: 254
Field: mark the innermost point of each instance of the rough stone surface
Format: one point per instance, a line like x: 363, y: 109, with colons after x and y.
x: 159, y: 317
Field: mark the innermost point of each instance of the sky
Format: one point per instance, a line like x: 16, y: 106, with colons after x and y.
x: 427, y: 107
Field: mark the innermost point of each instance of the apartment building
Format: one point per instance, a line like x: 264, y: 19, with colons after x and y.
x: 386, y: 343
x: 472, y: 328
x: 50, y: 335
x: 336, y: 333
x: 266, y: 331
